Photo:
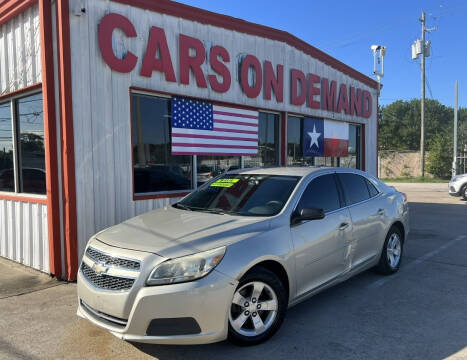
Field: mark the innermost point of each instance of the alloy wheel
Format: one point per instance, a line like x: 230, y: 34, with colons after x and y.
x: 254, y: 309
x: 394, y: 250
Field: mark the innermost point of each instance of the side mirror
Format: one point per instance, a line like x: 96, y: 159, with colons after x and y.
x: 307, y: 214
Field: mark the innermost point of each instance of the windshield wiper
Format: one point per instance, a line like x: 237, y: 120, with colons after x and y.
x: 183, y: 207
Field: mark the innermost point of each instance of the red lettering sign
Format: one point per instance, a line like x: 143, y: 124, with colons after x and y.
x: 220, y: 68
x: 298, y: 87
x: 252, y: 91
x: 271, y: 81
x: 343, y: 102
x: 328, y: 95
x: 158, y: 41
x: 108, y: 24
x: 313, y: 91
x: 188, y: 62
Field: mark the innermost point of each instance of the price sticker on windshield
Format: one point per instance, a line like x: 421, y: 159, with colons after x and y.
x: 224, y: 183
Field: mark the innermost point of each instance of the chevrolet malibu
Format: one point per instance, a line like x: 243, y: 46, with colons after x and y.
x: 229, y: 259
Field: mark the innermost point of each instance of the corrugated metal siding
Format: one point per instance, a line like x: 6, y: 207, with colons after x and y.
x: 24, y: 233
x: 101, y: 104
x: 23, y: 225
x: 20, y: 51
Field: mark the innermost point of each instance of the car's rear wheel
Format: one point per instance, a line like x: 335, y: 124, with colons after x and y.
x: 391, y: 255
x: 258, y: 308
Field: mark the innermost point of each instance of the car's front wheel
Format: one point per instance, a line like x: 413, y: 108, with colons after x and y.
x: 258, y: 308
x: 391, y: 255
x: 464, y: 192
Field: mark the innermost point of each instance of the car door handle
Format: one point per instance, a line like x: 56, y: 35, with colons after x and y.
x: 381, y: 212
x: 344, y: 226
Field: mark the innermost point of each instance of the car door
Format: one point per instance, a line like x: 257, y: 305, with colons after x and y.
x: 367, y: 212
x: 321, y: 247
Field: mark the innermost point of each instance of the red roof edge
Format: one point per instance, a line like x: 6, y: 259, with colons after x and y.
x: 228, y: 22
x: 12, y: 8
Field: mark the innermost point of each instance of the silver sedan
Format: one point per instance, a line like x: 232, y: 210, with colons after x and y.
x: 229, y: 259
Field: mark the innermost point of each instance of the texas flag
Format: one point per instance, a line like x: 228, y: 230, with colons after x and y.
x: 325, y: 138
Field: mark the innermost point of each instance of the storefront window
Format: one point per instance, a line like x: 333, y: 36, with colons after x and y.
x: 211, y: 166
x: 295, y: 147
x: 7, y: 176
x: 154, y: 168
x: 31, y: 137
x: 353, y: 159
x: 295, y: 143
x: 268, y: 142
x: 30, y: 147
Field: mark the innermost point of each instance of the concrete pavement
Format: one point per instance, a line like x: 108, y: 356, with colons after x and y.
x: 420, y: 313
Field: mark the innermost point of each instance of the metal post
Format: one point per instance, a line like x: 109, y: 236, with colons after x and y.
x: 454, y: 162
x: 422, y: 104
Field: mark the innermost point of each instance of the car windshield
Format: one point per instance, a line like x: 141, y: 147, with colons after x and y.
x: 241, y: 194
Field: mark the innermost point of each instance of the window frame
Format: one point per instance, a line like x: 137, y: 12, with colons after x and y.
x: 12, y: 98
x: 340, y: 196
x: 360, y: 144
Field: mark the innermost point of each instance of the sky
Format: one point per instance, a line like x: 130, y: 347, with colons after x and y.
x: 347, y: 29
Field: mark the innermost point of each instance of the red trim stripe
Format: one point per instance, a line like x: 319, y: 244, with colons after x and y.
x: 235, y: 123
x: 12, y: 8
x: 213, y: 137
x: 217, y: 146
x: 236, y: 131
x: 50, y: 132
x: 216, y: 112
x: 68, y: 147
x: 27, y: 199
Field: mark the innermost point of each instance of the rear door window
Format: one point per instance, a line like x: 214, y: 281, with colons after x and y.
x: 371, y: 188
x: 321, y: 193
x: 355, y: 188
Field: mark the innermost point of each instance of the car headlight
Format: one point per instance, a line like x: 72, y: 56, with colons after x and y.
x: 186, y: 268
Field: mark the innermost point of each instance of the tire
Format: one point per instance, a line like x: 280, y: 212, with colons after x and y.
x: 391, y: 256
x: 464, y: 192
x: 248, y: 324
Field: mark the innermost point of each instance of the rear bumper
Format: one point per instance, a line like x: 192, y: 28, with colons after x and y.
x: 207, y: 301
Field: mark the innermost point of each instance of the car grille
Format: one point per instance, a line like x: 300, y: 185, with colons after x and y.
x: 109, y: 260
x: 107, y: 282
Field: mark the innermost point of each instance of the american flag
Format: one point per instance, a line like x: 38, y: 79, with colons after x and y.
x: 201, y: 128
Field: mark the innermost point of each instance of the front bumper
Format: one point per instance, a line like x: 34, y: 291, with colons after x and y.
x: 206, y: 300
x: 454, y: 188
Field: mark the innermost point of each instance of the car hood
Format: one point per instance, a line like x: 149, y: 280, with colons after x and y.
x: 171, y: 232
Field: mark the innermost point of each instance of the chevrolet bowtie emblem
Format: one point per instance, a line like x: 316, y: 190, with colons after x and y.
x: 100, y: 267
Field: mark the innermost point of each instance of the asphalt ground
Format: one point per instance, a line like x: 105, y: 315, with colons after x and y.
x: 419, y: 313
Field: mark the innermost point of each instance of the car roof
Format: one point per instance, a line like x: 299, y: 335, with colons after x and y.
x: 284, y: 170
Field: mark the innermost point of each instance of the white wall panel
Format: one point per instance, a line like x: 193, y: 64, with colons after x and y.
x: 24, y: 233
x: 23, y: 225
x: 101, y: 102
x: 20, y: 51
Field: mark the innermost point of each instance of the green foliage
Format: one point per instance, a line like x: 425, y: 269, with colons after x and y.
x: 440, y: 156
x: 399, y: 128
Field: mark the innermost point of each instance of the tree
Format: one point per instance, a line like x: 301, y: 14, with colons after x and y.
x: 440, y: 156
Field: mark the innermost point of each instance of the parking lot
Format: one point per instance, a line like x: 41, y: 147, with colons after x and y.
x: 419, y: 313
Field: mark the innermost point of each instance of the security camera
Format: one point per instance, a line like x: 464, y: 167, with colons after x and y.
x: 375, y: 48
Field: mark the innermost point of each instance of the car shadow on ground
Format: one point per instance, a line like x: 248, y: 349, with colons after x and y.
x: 418, y: 313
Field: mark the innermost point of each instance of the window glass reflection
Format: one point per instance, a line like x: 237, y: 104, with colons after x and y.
x: 268, y: 142
x: 31, y: 137
x: 155, y: 169
x: 7, y: 177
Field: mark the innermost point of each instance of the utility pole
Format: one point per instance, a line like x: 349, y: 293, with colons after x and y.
x: 422, y: 104
x: 422, y: 47
x: 454, y: 162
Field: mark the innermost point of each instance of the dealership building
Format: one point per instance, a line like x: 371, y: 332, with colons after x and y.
x: 111, y: 108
